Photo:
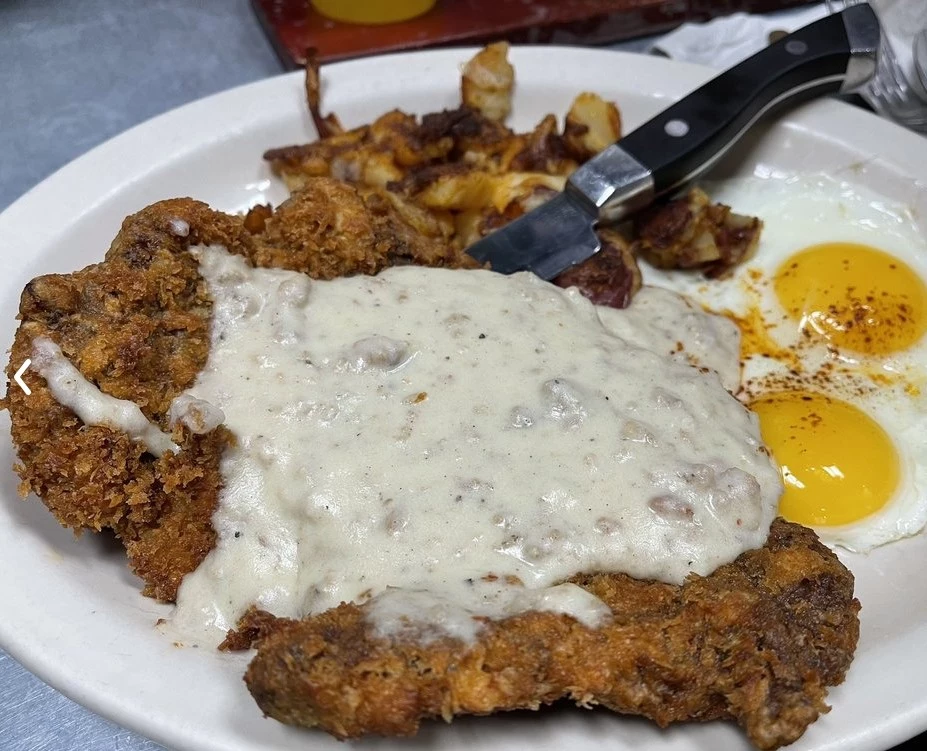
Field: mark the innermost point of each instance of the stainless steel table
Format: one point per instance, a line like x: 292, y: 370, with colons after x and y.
x: 75, y: 73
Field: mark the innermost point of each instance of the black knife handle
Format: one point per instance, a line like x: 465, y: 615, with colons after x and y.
x: 680, y: 140
x: 837, y: 52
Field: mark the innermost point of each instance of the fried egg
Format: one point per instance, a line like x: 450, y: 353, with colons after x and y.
x: 833, y: 313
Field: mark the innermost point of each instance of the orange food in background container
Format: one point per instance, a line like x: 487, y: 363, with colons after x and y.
x: 372, y: 11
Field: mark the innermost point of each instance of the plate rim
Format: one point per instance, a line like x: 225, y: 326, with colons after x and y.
x: 680, y: 78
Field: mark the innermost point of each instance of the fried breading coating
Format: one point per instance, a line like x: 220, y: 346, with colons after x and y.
x: 137, y: 326
x: 693, y: 233
x: 758, y: 641
x: 332, y: 229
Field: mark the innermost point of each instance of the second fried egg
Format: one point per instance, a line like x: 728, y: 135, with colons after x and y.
x: 833, y: 315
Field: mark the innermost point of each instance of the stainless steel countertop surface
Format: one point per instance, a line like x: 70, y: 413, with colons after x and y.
x: 75, y: 73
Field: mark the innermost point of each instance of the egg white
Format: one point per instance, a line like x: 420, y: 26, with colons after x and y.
x: 800, y: 211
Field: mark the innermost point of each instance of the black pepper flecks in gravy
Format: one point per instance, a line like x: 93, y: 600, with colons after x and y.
x: 457, y: 443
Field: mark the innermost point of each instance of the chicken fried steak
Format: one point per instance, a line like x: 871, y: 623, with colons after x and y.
x: 137, y: 326
x: 757, y: 641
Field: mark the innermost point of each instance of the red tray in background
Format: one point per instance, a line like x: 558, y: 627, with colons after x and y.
x: 293, y: 25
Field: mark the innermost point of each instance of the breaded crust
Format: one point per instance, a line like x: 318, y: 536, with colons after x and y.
x: 758, y: 641
x: 137, y: 326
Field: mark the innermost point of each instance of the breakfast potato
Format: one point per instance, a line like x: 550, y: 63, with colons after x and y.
x: 693, y: 233
x: 488, y: 81
x: 474, y: 174
x: 592, y: 124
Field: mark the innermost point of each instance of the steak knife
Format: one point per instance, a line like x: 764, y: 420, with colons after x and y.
x: 835, y: 54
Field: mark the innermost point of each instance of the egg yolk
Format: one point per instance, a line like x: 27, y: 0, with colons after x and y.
x: 838, y: 465
x: 855, y: 296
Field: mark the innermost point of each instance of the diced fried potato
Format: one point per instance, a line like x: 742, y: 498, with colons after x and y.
x: 474, y: 224
x: 464, y: 190
x: 693, y: 233
x: 364, y: 165
x: 296, y: 179
x: 544, y: 151
x: 591, y: 125
x: 430, y: 222
x: 379, y: 168
x: 476, y: 138
x: 532, y: 196
x: 488, y: 80
x: 461, y: 173
x: 469, y: 226
x: 476, y: 189
x: 522, y: 188
x: 611, y: 277
x: 297, y: 164
x: 400, y: 134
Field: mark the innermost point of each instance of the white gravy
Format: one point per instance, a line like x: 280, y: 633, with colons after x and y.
x: 668, y: 323
x: 92, y: 406
x: 455, y: 444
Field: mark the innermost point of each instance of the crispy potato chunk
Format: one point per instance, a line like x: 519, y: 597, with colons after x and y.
x: 693, y: 233
x: 475, y: 189
x: 592, y: 124
x: 611, y: 277
x: 487, y: 82
x: 544, y: 150
x: 473, y: 175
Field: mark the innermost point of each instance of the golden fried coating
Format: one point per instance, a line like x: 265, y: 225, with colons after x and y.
x: 693, y: 233
x: 137, y: 326
x: 331, y: 229
x: 758, y: 641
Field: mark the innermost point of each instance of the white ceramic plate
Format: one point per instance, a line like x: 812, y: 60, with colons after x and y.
x: 71, y: 611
